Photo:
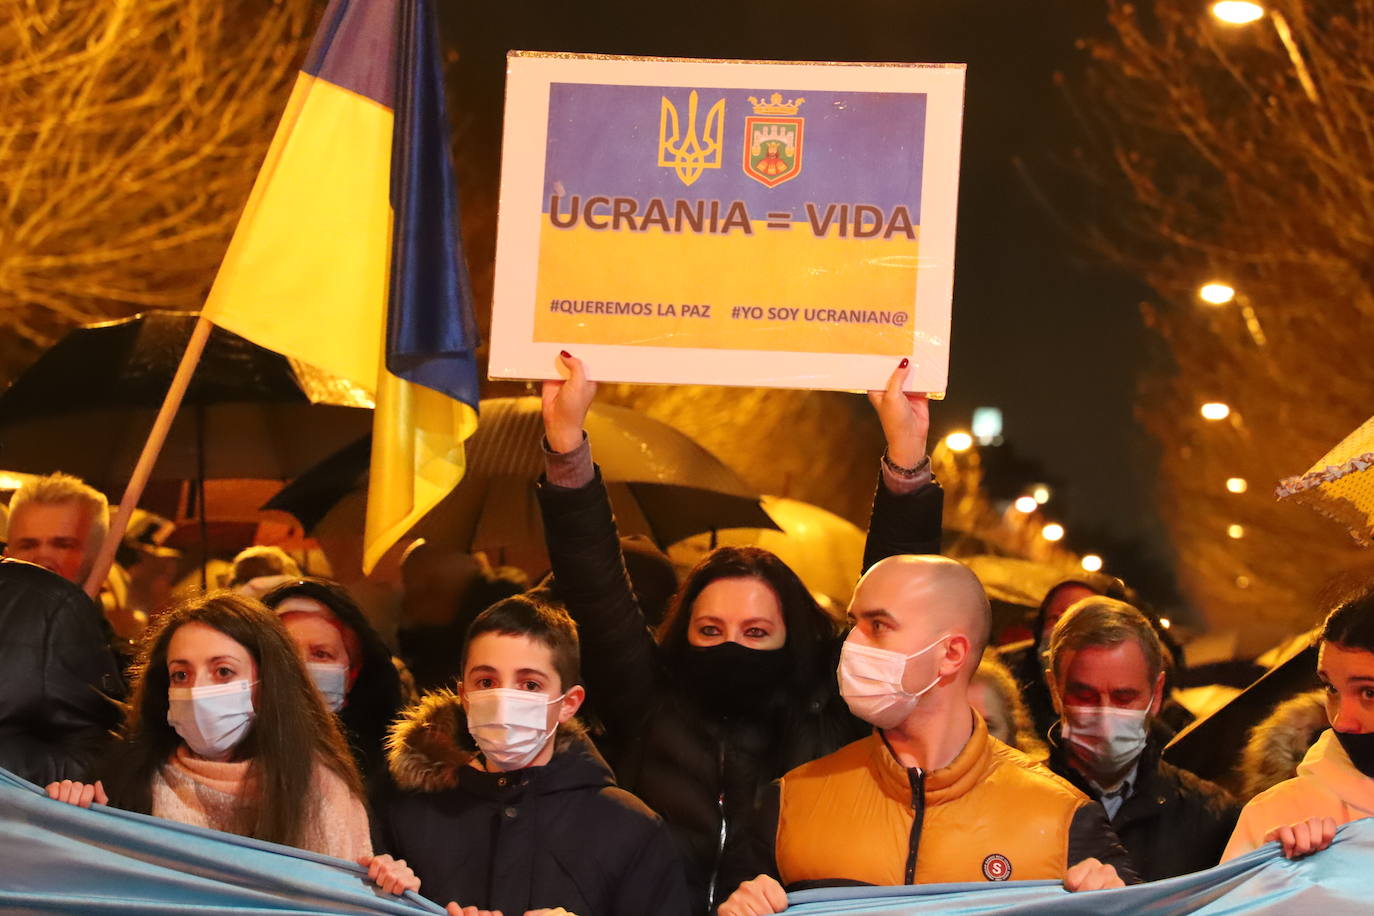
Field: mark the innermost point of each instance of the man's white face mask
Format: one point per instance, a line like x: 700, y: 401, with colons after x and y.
x: 871, y: 683
x: 1107, y: 738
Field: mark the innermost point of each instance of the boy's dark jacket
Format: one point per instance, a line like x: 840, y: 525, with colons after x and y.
x: 560, y: 835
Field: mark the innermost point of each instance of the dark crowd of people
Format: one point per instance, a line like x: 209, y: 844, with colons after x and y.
x: 607, y: 742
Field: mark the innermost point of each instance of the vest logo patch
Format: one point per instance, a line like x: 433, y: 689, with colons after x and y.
x: 997, y: 867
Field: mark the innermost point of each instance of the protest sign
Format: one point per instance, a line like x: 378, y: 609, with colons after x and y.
x: 727, y: 222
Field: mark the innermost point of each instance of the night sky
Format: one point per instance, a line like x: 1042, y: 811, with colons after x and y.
x: 1040, y: 330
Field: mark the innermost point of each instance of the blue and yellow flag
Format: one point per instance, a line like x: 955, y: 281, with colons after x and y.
x: 347, y: 255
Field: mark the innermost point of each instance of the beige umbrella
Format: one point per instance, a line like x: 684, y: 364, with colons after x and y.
x: 823, y: 549
x: 1338, y: 486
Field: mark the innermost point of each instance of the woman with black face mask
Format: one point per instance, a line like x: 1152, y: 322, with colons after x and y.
x: 737, y: 686
x: 1335, y: 781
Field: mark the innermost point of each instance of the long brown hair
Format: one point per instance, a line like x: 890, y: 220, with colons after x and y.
x: 812, y: 636
x: 289, y: 720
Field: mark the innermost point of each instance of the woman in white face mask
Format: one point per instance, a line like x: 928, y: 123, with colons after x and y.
x: 226, y: 731
x: 349, y: 665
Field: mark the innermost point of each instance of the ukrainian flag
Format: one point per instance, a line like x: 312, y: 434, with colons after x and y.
x: 347, y: 255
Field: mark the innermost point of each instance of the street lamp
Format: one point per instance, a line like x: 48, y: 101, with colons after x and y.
x: 1243, y: 12
x: 1215, y: 410
x: 1237, y: 12
x: 959, y: 442
x: 1052, y: 532
x: 1216, y: 293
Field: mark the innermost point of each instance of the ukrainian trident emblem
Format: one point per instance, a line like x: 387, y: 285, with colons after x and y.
x: 773, y: 140
x: 681, y: 148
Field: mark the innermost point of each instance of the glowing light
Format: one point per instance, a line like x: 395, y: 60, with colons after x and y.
x: 1052, y: 532
x: 1092, y: 562
x: 1237, y: 484
x: 1236, y: 532
x: 1242, y: 581
x: 959, y: 442
x: 1216, y: 293
x: 10, y: 482
x: 1165, y: 623
x: 1215, y: 410
x: 987, y: 425
x: 1026, y: 504
x: 1237, y: 12
x: 1041, y: 494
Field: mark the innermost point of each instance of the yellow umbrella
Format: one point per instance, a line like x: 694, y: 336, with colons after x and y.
x: 1338, y: 487
x: 823, y: 549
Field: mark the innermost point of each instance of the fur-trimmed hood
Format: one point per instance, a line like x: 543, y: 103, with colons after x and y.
x: 1278, y: 744
x: 429, y: 745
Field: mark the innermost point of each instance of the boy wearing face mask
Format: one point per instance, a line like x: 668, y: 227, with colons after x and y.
x: 506, y: 807
x: 929, y: 797
x: 1106, y: 676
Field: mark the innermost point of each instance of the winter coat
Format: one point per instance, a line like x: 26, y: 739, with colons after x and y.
x: 1277, y: 745
x: 858, y: 816
x: 59, y: 681
x: 704, y: 773
x: 1172, y: 823
x: 1327, y: 785
x: 559, y: 835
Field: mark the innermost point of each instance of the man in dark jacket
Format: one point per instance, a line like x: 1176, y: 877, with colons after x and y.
x: 1107, y: 667
x: 59, y: 682
x: 530, y: 817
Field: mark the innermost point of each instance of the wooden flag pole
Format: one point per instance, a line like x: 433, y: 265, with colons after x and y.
x: 151, y: 449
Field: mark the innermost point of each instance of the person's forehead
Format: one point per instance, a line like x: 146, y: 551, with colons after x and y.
x: 906, y: 600
x: 193, y: 641
x: 35, y: 518
x: 508, y: 652
x: 1338, y: 662
x: 737, y: 598
x: 1117, y: 667
x: 313, y: 626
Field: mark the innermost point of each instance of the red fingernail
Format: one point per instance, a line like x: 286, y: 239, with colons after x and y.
x: 565, y: 354
x: 902, y: 364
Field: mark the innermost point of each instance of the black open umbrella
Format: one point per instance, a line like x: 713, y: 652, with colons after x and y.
x: 662, y: 483
x: 87, y: 404
x: 1211, y: 746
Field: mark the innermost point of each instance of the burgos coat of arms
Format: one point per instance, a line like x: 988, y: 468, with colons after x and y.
x: 773, y: 140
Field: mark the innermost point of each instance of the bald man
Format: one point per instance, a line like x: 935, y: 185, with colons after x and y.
x: 929, y: 797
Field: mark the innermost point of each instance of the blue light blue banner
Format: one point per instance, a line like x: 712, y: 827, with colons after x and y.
x: 56, y: 858
x: 1334, y: 882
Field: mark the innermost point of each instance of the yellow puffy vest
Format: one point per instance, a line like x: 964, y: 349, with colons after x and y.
x: 993, y: 814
